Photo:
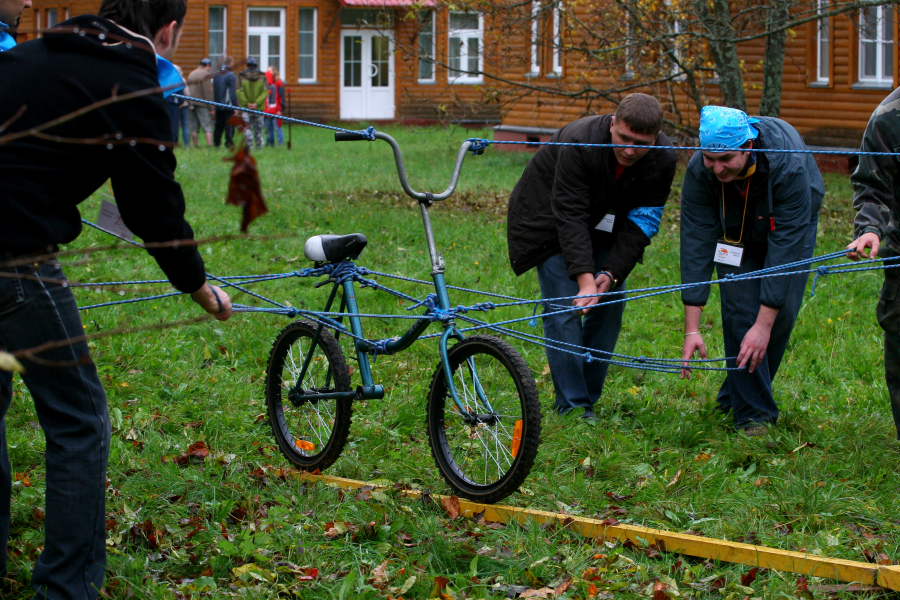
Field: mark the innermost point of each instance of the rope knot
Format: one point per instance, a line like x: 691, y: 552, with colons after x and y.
x: 477, y: 146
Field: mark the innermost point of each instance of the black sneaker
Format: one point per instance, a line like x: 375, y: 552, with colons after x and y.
x: 589, y: 416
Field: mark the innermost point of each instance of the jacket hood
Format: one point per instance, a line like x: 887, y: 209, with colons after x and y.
x: 252, y: 74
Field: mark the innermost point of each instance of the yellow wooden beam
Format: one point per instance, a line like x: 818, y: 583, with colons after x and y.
x: 668, y: 541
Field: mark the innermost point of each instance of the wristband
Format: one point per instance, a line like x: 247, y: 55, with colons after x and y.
x: 613, y: 280
x: 691, y: 333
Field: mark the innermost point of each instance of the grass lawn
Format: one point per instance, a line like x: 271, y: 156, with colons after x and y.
x: 241, y: 525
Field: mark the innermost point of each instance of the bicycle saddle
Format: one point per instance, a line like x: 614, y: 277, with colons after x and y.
x: 334, y: 248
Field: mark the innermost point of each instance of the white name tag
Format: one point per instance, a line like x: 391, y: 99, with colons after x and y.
x: 728, y: 254
x: 606, y: 223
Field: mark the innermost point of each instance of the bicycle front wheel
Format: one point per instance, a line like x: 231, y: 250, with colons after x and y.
x: 486, y: 445
x: 306, y: 371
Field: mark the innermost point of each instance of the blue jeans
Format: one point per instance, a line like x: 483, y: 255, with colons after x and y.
x: 578, y: 383
x: 750, y: 395
x: 271, y: 128
x: 71, y: 408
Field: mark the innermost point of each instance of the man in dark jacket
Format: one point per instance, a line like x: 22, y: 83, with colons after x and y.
x: 742, y: 211
x: 224, y: 91
x: 583, y: 216
x: 876, y: 187
x: 43, y: 183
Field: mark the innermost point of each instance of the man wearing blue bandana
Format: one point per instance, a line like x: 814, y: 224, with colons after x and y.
x: 73, y: 65
x: 582, y: 217
x: 743, y: 209
x: 10, y: 13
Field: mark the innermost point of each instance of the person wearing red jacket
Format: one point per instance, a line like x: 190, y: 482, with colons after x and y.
x: 274, y: 106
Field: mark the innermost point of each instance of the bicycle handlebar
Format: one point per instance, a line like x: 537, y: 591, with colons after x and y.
x: 349, y: 136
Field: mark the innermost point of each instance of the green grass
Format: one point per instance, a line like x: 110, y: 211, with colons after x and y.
x: 240, y: 525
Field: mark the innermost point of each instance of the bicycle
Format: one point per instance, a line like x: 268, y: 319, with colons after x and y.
x: 483, y: 414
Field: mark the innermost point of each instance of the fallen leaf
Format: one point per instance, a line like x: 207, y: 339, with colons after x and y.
x: 451, y: 505
x: 544, y: 592
x: 750, y: 576
x: 703, y: 456
x: 675, y: 479
x: 24, y: 479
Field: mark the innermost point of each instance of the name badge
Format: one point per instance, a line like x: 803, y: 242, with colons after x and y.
x: 606, y: 223
x: 729, y: 254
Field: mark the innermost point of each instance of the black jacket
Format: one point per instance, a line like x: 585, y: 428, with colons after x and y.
x: 566, y: 190
x: 42, y: 181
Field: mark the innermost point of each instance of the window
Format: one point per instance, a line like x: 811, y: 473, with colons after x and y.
x: 557, y: 37
x: 216, y: 35
x: 265, y: 37
x: 52, y: 17
x: 465, y: 47
x: 426, y: 46
x: 876, y: 45
x: 823, y: 44
x: 307, y: 45
x: 535, y: 37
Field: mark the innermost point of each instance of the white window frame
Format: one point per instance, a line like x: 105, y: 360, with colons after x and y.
x: 217, y: 59
x: 557, y: 38
x: 536, y: 14
x: 823, y: 44
x: 48, y: 22
x: 428, y: 57
x: 315, y: 45
x: 882, y: 45
x: 265, y: 32
x: 458, y: 75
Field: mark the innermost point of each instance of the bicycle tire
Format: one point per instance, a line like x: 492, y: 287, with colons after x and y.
x: 484, y: 461
x: 310, y: 433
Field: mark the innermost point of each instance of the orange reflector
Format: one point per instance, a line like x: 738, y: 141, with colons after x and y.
x: 517, y: 437
x: 304, y: 445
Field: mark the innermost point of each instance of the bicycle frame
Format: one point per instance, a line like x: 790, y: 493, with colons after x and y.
x: 365, y: 347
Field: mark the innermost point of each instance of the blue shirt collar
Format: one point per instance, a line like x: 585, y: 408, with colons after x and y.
x: 168, y: 76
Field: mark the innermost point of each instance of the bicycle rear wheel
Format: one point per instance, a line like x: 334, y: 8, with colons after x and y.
x: 304, y: 364
x: 486, y: 450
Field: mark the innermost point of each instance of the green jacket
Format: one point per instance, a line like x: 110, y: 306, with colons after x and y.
x: 876, y: 179
x: 252, y: 89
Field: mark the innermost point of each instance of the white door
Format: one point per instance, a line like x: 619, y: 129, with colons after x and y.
x: 367, y: 75
x: 265, y: 37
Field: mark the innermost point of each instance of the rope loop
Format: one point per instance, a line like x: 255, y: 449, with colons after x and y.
x: 820, y: 271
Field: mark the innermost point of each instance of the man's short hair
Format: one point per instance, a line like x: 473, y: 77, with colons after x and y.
x: 641, y: 112
x: 145, y: 17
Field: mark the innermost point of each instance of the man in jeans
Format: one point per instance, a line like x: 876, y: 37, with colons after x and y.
x: 583, y: 216
x: 44, y: 181
x: 224, y: 91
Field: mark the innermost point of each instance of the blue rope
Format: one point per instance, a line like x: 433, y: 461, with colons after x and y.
x: 368, y: 133
x: 481, y: 143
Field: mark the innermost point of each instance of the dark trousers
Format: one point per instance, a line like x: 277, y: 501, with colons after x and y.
x: 578, y: 383
x: 749, y: 395
x: 71, y: 408
x: 888, y: 313
x: 222, y: 126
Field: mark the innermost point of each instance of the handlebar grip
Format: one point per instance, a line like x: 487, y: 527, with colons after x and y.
x: 349, y: 136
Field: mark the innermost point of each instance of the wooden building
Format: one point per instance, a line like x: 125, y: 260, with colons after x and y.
x: 413, y: 60
x: 340, y: 59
